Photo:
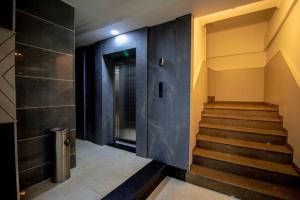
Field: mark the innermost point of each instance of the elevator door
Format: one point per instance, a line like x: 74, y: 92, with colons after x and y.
x: 125, y: 105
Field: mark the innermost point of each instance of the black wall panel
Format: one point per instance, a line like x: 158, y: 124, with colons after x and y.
x: 43, y: 34
x: 6, y: 14
x: 85, y: 106
x: 40, y: 63
x: 8, y: 162
x: 45, y: 83
x: 54, y: 11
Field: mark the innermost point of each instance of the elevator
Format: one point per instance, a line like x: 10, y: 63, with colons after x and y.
x: 123, y: 75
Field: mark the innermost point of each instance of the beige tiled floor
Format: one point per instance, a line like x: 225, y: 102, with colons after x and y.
x: 173, y: 189
x: 100, y: 169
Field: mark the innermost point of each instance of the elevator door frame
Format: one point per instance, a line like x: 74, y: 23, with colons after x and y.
x: 104, y: 99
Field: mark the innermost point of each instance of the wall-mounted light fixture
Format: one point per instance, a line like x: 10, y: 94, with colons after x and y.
x: 162, y: 61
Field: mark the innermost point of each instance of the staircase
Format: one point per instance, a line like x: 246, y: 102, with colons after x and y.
x: 242, y: 151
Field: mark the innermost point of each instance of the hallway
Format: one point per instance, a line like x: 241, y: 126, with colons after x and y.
x: 100, y: 169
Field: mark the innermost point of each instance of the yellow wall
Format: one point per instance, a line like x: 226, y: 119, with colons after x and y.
x: 237, y: 85
x: 198, y: 80
x: 288, y: 41
x: 236, y: 58
x: 281, y: 89
x: 276, y: 83
x: 236, y: 40
x: 283, y: 74
x: 242, y: 61
x: 237, y: 47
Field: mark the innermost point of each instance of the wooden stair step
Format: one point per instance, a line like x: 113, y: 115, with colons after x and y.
x: 247, y: 161
x: 241, y: 106
x: 243, y: 129
x: 243, y: 117
x: 246, y: 183
x: 246, y: 144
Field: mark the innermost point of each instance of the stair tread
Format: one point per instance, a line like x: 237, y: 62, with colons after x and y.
x: 245, y: 182
x: 241, y: 106
x: 243, y: 129
x: 246, y: 144
x: 246, y: 161
x: 243, y: 117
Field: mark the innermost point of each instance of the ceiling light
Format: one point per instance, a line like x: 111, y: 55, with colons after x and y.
x: 114, y: 32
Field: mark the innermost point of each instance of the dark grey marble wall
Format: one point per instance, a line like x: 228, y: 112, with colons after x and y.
x: 45, y: 84
x: 104, y: 115
x: 162, y: 124
x: 168, y: 117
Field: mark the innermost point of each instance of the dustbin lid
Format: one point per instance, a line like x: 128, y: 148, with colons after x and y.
x: 56, y: 129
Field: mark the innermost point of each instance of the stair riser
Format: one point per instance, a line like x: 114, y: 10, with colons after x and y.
x: 242, y: 112
x: 227, y: 189
x: 254, y: 153
x: 243, y: 123
x: 243, y: 136
x: 255, y: 173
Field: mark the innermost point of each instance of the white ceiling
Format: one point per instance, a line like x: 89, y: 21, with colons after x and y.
x: 95, y: 18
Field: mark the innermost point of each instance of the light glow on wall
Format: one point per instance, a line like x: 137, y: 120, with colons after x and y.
x: 121, y: 39
x: 114, y: 32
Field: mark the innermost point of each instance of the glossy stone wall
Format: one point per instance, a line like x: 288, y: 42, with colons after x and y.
x: 104, y: 115
x: 162, y: 124
x: 168, y: 117
x: 45, y: 90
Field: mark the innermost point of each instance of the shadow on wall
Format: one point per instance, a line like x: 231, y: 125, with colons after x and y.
x: 198, y: 98
x: 281, y: 89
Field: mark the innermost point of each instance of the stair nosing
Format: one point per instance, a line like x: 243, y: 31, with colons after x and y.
x: 231, y: 107
x: 246, y: 186
x: 247, y: 118
x: 225, y: 159
x: 243, y: 129
x: 230, y: 142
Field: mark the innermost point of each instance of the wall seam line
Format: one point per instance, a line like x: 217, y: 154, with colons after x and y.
x: 33, y: 46
x: 45, y: 78
x: 47, y: 163
x: 33, y: 138
x: 52, y: 23
x: 41, y: 107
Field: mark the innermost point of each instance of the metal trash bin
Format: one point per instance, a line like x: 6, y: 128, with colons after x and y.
x: 60, y: 155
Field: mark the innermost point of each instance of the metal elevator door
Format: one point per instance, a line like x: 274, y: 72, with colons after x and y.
x: 125, y: 101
